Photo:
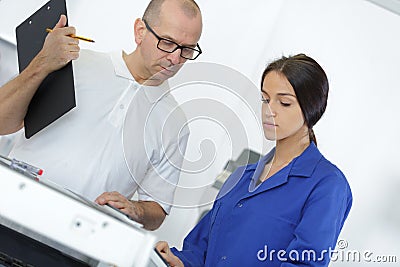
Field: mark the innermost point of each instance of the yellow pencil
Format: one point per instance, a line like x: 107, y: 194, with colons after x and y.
x: 75, y: 36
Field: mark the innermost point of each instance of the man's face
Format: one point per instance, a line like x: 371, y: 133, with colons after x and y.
x: 177, y: 27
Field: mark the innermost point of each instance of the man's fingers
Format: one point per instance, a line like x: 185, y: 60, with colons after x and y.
x: 60, y: 47
x: 74, y: 55
x: 61, y: 22
x: 117, y: 204
x: 66, y: 31
x: 61, y: 28
x: 73, y: 41
x: 74, y: 48
x: 109, y: 196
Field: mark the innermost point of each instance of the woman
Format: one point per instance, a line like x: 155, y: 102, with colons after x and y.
x: 289, y: 208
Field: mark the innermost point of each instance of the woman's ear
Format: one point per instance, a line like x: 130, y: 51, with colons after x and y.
x: 139, y: 30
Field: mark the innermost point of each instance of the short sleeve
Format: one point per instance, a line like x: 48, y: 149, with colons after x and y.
x: 162, y: 177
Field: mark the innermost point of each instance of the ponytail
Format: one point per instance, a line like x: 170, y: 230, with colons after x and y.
x: 311, y: 135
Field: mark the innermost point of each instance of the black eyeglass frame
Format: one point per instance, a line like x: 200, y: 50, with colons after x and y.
x: 181, y: 47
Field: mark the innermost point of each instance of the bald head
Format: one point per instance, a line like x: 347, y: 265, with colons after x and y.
x: 153, y: 11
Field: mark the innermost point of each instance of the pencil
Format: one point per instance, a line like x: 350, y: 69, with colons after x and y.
x: 75, y: 36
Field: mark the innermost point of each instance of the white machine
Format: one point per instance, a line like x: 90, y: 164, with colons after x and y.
x: 93, y: 230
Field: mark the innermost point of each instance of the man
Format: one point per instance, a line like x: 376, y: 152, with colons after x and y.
x: 126, y: 133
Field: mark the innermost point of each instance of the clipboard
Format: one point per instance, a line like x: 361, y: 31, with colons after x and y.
x: 56, y: 94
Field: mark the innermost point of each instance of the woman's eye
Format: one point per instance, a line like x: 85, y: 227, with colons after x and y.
x: 285, y: 104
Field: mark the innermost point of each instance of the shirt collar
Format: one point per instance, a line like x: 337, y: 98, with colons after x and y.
x: 120, y: 67
x: 153, y: 93
x: 301, y: 166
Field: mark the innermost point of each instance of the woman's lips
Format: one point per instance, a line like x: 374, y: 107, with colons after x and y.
x: 269, y: 124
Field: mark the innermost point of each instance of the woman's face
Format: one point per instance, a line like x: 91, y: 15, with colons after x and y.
x: 281, y: 113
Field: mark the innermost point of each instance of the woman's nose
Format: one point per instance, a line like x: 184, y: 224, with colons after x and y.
x: 269, y: 111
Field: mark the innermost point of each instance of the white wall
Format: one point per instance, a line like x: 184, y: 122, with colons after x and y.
x: 356, y: 42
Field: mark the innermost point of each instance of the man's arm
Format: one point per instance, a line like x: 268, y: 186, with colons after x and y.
x: 148, y: 213
x: 58, y: 49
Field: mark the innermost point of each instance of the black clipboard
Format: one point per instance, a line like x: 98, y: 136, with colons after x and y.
x: 56, y: 95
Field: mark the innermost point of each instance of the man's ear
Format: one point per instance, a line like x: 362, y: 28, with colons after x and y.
x: 139, y: 30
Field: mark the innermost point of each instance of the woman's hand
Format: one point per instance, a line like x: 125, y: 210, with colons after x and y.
x: 167, y: 254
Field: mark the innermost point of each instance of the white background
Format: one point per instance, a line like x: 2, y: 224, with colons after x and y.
x: 355, y: 41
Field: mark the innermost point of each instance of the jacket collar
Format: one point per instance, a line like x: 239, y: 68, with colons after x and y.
x: 305, y: 164
x: 301, y: 166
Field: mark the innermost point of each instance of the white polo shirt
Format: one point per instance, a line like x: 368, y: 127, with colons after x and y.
x: 121, y: 136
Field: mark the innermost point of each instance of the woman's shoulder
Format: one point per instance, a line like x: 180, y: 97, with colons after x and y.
x: 328, y: 172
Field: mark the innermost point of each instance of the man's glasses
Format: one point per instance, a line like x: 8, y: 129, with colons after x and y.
x: 170, y: 46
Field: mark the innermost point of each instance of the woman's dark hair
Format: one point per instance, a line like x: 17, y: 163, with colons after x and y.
x: 309, y: 82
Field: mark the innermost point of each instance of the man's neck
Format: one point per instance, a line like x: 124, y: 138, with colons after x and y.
x: 133, y: 63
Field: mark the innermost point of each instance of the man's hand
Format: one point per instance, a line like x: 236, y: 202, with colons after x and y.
x: 148, y: 213
x: 167, y: 254
x: 59, y: 47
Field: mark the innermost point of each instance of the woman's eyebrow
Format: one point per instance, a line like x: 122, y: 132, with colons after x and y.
x: 280, y: 94
x: 286, y: 94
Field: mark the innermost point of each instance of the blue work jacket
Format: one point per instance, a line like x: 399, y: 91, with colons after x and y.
x: 292, y: 219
